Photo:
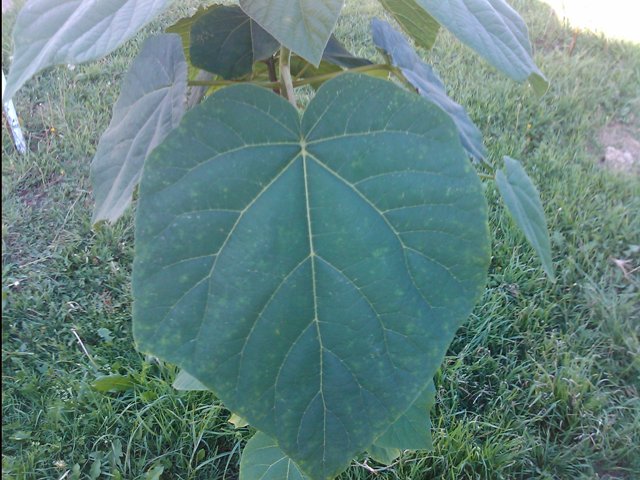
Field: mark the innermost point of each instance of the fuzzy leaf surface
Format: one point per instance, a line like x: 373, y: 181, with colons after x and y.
x: 523, y: 202
x: 262, y: 459
x: 303, y: 26
x: 52, y: 32
x: 311, y: 271
x: 422, y: 77
x: 150, y: 105
x: 494, y: 30
x: 225, y: 41
x: 414, y: 20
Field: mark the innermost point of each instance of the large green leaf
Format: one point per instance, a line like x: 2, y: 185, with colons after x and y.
x: 151, y: 104
x: 494, y: 30
x: 312, y: 271
x: 262, y: 459
x: 225, y: 41
x: 303, y: 26
x: 421, y: 76
x: 51, y: 32
x: 523, y: 201
x: 414, y: 20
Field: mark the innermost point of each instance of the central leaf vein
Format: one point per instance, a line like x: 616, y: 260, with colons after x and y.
x: 312, y: 255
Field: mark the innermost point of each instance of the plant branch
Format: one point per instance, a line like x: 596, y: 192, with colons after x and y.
x: 286, y: 82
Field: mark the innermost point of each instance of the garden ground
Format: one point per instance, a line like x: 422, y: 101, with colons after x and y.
x: 542, y: 381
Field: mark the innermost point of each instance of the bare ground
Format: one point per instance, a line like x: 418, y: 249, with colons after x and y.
x: 620, y: 148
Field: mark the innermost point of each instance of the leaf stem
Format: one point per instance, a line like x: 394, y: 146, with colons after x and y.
x: 296, y: 83
x: 486, y: 176
x: 286, y: 82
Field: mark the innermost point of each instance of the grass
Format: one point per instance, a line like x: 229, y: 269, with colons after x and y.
x: 542, y: 381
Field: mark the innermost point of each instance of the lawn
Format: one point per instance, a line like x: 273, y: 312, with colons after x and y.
x: 542, y: 382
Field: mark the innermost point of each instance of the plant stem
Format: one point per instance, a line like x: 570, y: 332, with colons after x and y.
x: 273, y: 77
x: 286, y: 82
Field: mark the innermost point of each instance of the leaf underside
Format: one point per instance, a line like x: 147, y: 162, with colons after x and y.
x: 494, y: 30
x: 52, y: 32
x: 422, y: 77
x: 523, y: 202
x: 151, y: 104
x: 303, y: 26
x: 313, y: 271
x: 414, y: 21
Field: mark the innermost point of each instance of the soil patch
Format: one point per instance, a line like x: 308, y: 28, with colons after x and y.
x: 620, y: 148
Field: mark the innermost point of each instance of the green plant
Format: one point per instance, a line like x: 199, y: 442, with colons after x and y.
x: 311, y: 270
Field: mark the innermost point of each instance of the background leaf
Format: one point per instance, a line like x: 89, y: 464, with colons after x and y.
x: 376, y: 230
x: 187, y: 382
x: 113, y: 383
x: 303, y: 26
x: 414, y: 20
x: 52, y: 32
x: 337, y: 54
x: 523, y: 202
x: 263, y: 459
x: 151, y: 104
x: 422, y: 77
x: 183, y: 28
x: 494, y: 30
x: 225, y: 41
x: 335, y: 58
x: 412, y: 431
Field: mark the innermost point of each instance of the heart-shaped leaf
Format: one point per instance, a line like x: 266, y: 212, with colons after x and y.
x: 426, y: 81
x: 313, y: 271
x: 523, y: 202
x: 303, y: 26
x: 151, y: 104
x: 414, y: 20
x: 494, y: 30
x: 225, y: 41
x: 52, y: 32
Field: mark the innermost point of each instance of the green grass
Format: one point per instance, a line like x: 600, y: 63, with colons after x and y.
x: 542, y: 381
